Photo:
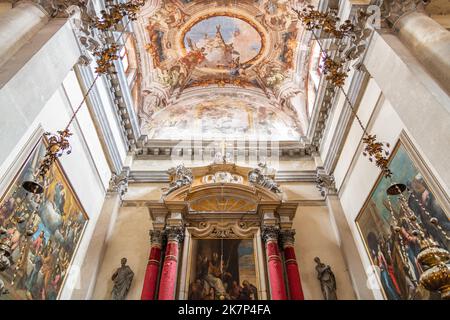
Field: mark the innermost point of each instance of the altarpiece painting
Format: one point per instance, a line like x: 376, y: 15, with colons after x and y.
x: 223, y: 269
x: 375, y: 224
x: 41, y: 232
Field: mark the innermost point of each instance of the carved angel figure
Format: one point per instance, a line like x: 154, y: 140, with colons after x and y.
x: 180, y: 176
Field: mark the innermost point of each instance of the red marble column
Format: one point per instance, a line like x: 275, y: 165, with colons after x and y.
x: 154, y: 260
x: 274, y: 263
x: 169, y: 273
x: 290, y: 260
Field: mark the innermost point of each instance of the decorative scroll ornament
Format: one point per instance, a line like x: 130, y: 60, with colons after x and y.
x: 222, y: 233
x: 223, y: 177
x: 270, y: 233
x: 180, y: 176
x: 257, y: 176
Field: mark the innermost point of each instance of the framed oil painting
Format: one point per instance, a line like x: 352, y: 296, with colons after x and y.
x: 375, y: 224
x: 41, y: 233
x: 223, y: 269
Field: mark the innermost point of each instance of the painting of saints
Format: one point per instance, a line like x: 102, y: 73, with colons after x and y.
x: 41, y: 233
x: 394, y: 252
x: 219, y: 270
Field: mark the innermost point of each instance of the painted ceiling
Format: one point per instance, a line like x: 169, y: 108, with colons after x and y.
x: 212, y: 44
x: 222, y: 117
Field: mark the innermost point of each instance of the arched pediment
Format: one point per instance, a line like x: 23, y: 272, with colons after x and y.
x: 223, y: 197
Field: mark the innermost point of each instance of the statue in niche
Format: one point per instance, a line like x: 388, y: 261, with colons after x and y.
x: 122, y: 280
x: 327, y: 280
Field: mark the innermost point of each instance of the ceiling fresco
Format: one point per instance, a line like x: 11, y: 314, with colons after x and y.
x: 242, y: 43
x: 200, y: 47
x: 225, y: 42
x: 220, y: 117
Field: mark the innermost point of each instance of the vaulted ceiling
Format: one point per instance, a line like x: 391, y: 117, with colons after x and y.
x: 217, y: 68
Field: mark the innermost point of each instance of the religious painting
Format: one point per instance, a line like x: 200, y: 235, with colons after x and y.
x: 222, y: 42
x: 39, y: 233
x: 383, y: 244
x: 222, y: 117
x: 223, y: 269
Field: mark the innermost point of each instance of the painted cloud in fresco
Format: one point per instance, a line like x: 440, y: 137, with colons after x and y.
x: 219, y: 118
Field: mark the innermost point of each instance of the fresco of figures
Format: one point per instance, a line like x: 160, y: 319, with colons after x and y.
x: 383, y: 244
x: 223, y: 270
x: 223, y: 43
x: 41, y: 233
x: 195, y: 44
x: 221, y: 117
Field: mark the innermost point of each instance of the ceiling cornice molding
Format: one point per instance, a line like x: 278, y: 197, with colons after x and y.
x: 137, y: 176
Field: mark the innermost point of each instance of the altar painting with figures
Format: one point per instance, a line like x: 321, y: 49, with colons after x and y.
x: 376, y: 225
x: 40, y: 233
x: 223, y: 269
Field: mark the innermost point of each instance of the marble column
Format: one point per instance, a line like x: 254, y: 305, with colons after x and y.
x: 290, y: 261
x: 430, y: 44
x: 169, y: 273
x: 428, y: 41
x: 17, y: 26
x: 274, y: 263
x: 154, y: 261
